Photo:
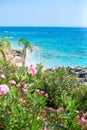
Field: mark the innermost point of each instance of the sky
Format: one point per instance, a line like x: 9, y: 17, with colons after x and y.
x: 69, y: 13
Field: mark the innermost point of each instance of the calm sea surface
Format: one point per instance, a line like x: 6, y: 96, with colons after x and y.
x: 59, y: 46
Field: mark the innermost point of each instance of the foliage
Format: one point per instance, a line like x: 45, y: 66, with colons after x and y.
x: 56, y: 82
x: 26, y: 91
x: 65, y: 117
x: 2, y: 54
x: 21, y: 107
x: 80, y: 95
x: 4, y: 43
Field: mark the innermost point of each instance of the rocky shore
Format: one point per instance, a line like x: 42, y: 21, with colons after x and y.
x: 15, y: 57
x: 81, y: 73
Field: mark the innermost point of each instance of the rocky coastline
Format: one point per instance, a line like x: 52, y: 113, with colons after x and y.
x: 81, y: 73
x: 15, y: 57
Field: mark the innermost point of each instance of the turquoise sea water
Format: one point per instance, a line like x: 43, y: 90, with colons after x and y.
x: 59, y: 46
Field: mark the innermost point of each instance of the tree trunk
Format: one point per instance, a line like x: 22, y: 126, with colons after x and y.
x: 24, y: 57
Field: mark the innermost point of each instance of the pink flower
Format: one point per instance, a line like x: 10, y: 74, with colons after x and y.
x: 21, y: 100
x: 26, y: 85
x: 83, y: 120
x: 2, y: 76
x: 25, y: 90
x: 32, y: 71
x: 67, y: 97
x: 38, y: 91
x: 9, y: 112
x: 13, y: 82
x: 4, y: 89
x: 42, y: 92
x: 46, y: 94
x: 45, y: 128
x: 60, y: 109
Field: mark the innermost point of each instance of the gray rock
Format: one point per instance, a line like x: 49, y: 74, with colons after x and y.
x: 82, y: 74
x: 85, y: 78
x: 85, y: 83
x: 78, y: 69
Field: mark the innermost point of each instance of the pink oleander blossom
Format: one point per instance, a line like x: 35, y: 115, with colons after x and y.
x: 4, y: 89
x: 2, y: 76
x: 32, y: 71
x: 9, y: 112
x: 38, y: 91
x: 13, y: 82
x: 42, y: 92
x: 46, y: 94
x: 67, y: 97
x: 25, y: 90
x: 26, y: 85
x: 60, y: 109
x: 45, y: 128
x: 21, y: 100
x: 82, y: 118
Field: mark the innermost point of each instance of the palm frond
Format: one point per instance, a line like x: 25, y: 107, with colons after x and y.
x: 26, y: 44
x: 3, y: 54
x: 22, y: 41
x: 4, y: 42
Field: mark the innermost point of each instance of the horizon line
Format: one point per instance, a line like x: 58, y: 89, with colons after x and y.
x: 50, y: 26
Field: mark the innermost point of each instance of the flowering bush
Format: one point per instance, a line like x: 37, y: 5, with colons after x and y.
x: 20, y: 105
x: 56, y: 82
x: 26, y: 92
x: 65, y: 118
x: 20, y: 110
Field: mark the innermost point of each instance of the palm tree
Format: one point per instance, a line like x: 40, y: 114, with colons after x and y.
x: 26, y: 44
x: 3, y: 54
x: 4, y: 42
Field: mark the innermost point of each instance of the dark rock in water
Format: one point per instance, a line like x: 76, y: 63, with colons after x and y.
x: 77, y: 69
x: 82, y: 74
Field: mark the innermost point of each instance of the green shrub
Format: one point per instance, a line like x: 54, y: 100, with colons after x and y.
x: 80, y: 94
x: 65, y: 118
x: 23, y: 107
x: 56, y: 82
